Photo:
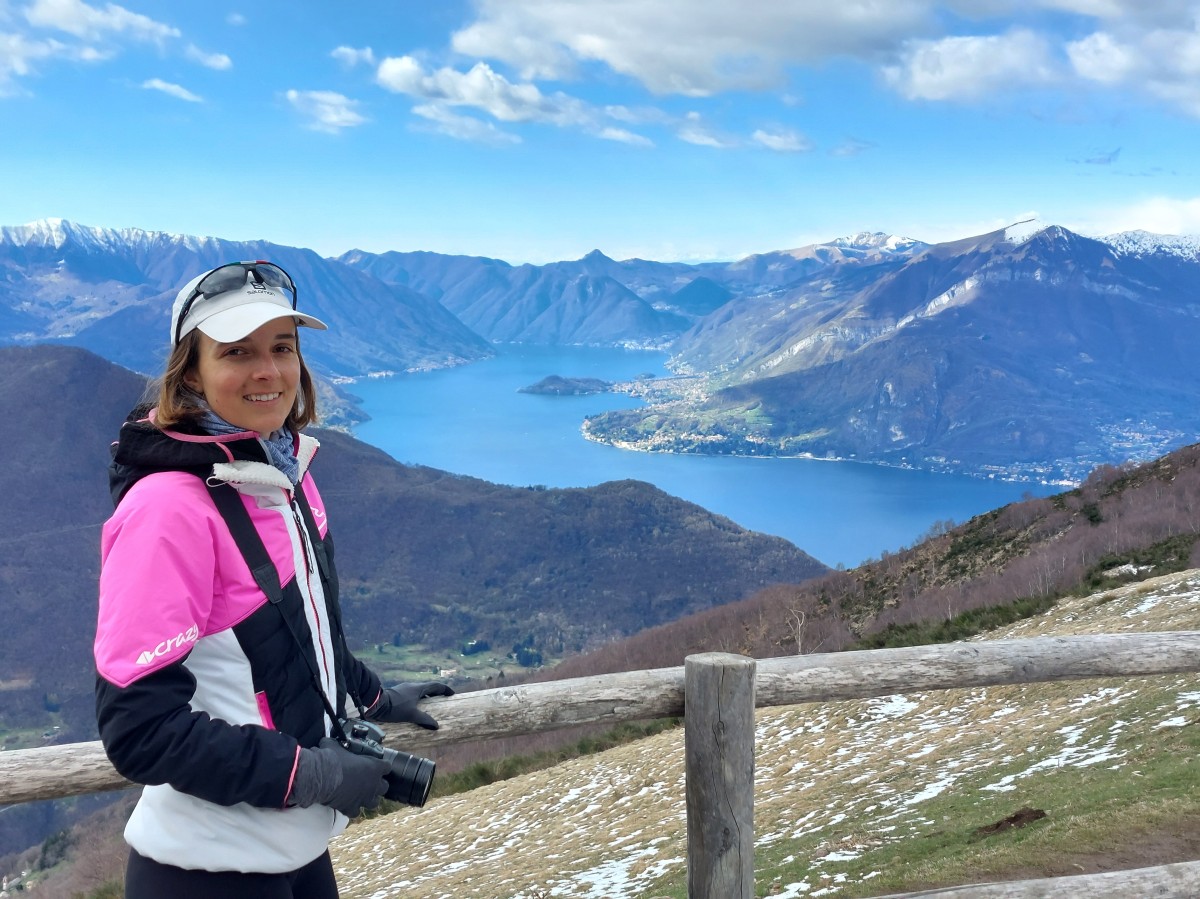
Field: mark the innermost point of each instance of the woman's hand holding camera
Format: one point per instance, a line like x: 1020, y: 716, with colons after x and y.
x: 331, y: 775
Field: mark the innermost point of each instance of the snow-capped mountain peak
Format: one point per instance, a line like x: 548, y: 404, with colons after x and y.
x: 874, y: 240
x: 56, y: 232
x: 1019, y: 232
x: 1144, y: 243
x: 52, y: 232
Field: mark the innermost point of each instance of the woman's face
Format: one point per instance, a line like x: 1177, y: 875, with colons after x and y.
x: 252, y: 382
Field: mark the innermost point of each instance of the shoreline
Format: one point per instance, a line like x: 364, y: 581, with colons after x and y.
x: 627, y: 446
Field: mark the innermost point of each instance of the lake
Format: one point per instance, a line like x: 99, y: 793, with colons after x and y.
x: 472, y: 420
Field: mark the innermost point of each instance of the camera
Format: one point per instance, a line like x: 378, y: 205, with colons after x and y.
x: 410, y: 777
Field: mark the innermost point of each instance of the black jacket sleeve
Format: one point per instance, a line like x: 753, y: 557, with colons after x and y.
x: 152, y: 736
x: 362, y: 683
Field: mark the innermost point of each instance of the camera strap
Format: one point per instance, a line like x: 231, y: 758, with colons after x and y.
x: 266, y: 575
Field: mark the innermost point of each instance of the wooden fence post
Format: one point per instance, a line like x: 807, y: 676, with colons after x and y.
x: 718, y: 732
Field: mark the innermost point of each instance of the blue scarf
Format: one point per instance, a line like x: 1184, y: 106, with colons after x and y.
x: 281, y: 446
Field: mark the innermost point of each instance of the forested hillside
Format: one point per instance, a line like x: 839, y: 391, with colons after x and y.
x: 1123, y: 524
x: 435, y: 558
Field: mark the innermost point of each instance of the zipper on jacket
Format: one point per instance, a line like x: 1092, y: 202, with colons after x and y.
x: 303, y: 532
x: 309, y: 551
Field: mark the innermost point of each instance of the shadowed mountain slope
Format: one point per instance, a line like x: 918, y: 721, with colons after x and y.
x: 1037, y: 356
x: 1121, y: 525
x: 425, y: 556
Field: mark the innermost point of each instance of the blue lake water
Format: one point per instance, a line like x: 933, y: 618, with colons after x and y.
x: 472, y: 420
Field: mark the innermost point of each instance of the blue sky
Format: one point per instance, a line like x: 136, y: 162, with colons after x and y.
x: 535, y: 130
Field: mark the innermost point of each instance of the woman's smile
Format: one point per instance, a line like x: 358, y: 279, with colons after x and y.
x: 252, y: 382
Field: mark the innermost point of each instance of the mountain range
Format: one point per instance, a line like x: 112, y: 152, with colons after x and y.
x: 1029, y: 352
x: 111, y: 292
x: 1024, y: 353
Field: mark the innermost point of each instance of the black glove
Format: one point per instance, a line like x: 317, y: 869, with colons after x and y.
x: 399, y: 703
x: 332, y: 775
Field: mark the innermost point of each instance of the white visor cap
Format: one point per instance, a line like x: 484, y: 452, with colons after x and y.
x: 230, y: 316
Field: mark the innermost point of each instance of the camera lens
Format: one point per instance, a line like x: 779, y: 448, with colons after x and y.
x: 410, y: 778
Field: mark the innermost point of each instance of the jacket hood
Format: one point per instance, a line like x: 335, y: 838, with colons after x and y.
x: 142, y: 448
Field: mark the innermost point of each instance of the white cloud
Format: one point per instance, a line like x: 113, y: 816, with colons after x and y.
x: 1098, y: 57
x: 18, y: 55
x: 965, y: 68
x: 852, y: 146
x: 235, y: 18
x: 1164, y: 63
x: 351, y: 56
x: 172, y: 90
x: 218, y: 61
x: 693, y: 130
x: 624, y: 136
x: 464, y: 127
x: 702, y: 47
x: 1158, y: 215
x: 694, y: 48
x: 642, y: 115
x: 87, y: 22
x: 488, y: 91
x: 481, y: 88
x: 782, y: 140
x: 326, y: 111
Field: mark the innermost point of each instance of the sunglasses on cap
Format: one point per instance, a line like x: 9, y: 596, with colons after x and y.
x: 232, y: 276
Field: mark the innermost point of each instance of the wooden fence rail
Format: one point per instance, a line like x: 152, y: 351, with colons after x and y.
x: 74, y: 769
x: 1177, y: 881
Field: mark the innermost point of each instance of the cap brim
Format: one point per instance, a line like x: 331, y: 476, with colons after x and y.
x: 239, y: 322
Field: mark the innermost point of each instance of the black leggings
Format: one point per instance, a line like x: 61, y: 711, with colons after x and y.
x: 148, y: 879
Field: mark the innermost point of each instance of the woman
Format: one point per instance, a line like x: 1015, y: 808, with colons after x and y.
x: 221, y: 701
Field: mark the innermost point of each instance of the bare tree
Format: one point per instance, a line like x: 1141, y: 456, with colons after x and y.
x: 796, y: 618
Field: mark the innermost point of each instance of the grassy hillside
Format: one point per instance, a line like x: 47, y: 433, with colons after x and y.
x: 854, y: 798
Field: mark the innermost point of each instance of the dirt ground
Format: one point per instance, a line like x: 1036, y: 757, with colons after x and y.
x: 1180, y: 843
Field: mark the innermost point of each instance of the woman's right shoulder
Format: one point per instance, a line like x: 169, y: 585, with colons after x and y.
x: 167, y: 494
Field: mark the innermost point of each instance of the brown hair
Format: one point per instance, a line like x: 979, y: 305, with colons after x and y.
x: 177, y: 402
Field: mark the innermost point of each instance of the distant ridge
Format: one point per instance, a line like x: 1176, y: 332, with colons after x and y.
x: 1029, y: 352
x: 110, y: 291
x: 1144, y: 243
x: 57, y: 233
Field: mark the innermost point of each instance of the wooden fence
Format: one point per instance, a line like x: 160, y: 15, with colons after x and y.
x: 719, y: 734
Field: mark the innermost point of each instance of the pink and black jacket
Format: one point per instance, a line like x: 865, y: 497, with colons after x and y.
x: 202, y: 692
